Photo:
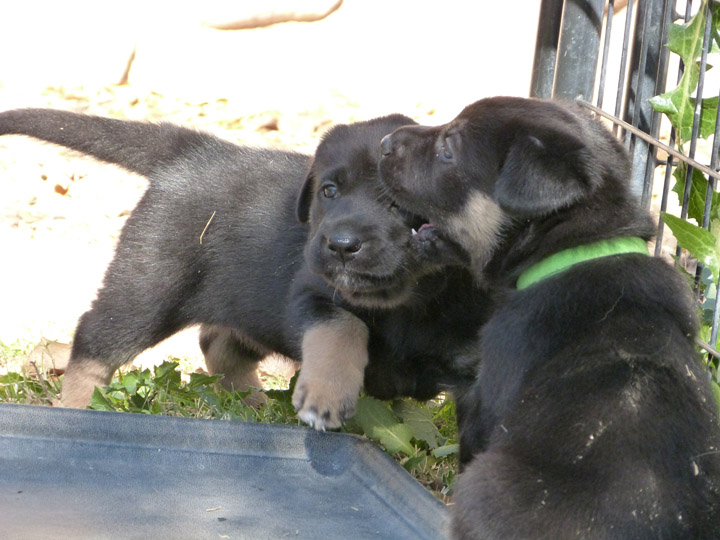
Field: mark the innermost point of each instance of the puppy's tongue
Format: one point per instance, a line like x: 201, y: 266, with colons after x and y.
x: 423, y: 227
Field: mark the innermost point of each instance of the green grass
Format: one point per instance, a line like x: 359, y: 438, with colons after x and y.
x: 17, y: 386
x: 422, y: 437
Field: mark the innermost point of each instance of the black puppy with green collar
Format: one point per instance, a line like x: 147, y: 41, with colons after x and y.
x: 592, y: 415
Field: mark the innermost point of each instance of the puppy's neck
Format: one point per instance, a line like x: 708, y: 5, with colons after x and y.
x: 526, y: 242
x: 561, y: 261
x: 478, y: 228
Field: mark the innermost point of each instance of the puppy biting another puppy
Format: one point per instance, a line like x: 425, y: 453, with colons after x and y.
x: 319, y: 267
x: 592, y: 415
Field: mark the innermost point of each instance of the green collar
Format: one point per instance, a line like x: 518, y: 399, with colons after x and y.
x: 561, y: 261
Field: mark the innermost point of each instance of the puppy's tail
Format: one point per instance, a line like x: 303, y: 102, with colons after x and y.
x: 137, y: 146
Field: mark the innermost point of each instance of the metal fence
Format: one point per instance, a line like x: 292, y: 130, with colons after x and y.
x: 611, y: 57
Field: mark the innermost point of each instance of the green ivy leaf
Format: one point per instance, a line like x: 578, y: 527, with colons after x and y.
x: 700, y: 243
x: 679, y: 107
x: 200, y: 381
x: 664, y: 104
x: 447, y: 450
x: 698, y: 192
x: 167, y: 373
x: 708, y: 115
x: 420, y: 422
x: 380, y: 423
x: 99, y: 402
x: 130, y: 381
x: 394, y: 438
x: 714, y: 34
x: 686, y: 40
x: 414, y: 462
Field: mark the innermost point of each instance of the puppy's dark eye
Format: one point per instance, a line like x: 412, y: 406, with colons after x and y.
x: 447, y: 152
x: 329, y: 191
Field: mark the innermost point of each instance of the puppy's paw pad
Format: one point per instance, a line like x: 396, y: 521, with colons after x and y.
x: 321, y: 422
x: 323, y: 407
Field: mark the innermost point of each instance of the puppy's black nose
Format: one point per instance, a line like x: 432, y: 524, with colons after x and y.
x: 344, y: 246
x: 386, y: 145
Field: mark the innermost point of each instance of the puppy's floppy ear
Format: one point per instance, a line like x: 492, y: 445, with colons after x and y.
x: 304, y: 200
x: 545, y: 173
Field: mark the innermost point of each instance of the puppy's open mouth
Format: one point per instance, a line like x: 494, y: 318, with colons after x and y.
x: 425, y: 230
x: 416, y: 223
x: 431, y: 243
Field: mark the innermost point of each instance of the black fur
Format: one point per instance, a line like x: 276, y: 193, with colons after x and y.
x: 592, y: 415
x: 215, y: 241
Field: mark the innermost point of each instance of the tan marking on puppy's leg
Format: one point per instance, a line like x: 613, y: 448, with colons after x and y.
x: 80, y: 379
x: 229, y: 354
x: 478, y: 228
x: 334, y: 359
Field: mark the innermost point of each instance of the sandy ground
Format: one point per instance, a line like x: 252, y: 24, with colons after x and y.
x: 283, y: 85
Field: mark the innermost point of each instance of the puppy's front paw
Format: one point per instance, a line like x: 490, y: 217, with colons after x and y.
x: 326, y: 404
x: 334, y: 360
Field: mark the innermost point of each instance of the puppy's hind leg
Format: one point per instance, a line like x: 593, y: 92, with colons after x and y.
x: 227, y: 352
x: 131, y: 313
x: 83, y: 374
x: 101, y: 345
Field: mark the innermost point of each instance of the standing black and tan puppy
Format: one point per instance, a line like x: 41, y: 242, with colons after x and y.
x: 216, y: 240
x: 592, y: 416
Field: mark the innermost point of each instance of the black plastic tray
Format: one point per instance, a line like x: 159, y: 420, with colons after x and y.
x: 86, y: 474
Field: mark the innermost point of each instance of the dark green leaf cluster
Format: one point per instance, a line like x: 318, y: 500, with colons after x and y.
x: 162, y: 391
x: 703, y: 243
x: 686, y: 40
x: 422, y: 436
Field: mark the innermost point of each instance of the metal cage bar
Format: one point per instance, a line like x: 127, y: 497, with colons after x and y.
x: 578, y: 48
x: 578, y: 42
x: 546, y: 45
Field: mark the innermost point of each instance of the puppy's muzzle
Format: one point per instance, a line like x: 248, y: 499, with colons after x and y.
x: 401, y: 137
